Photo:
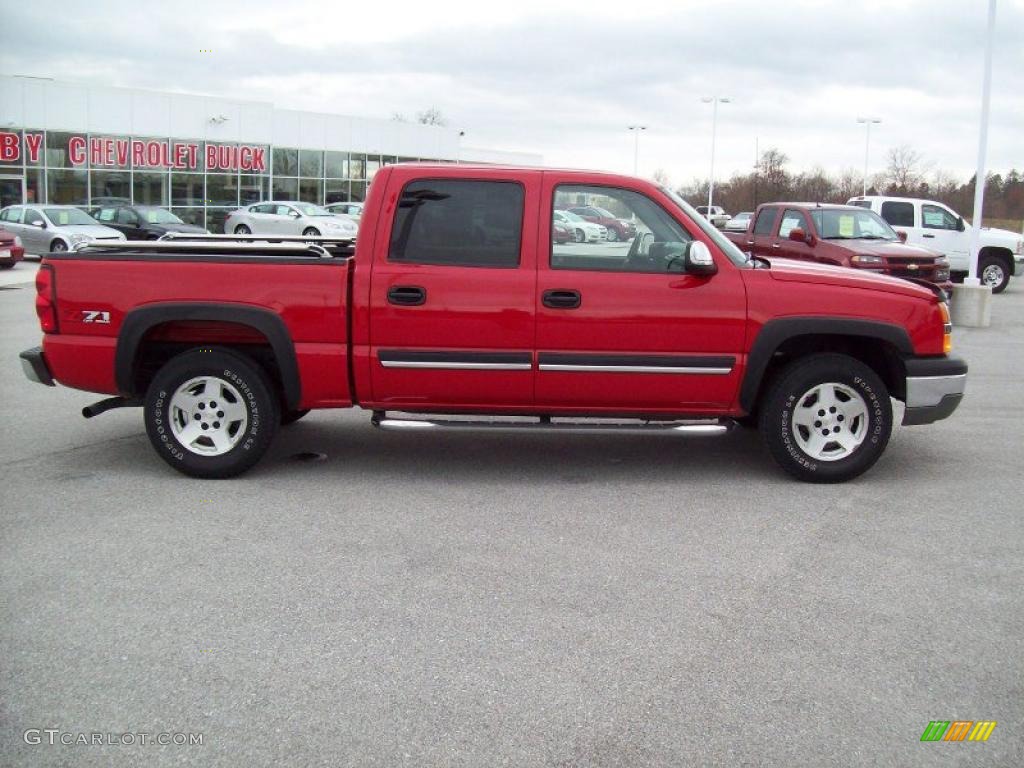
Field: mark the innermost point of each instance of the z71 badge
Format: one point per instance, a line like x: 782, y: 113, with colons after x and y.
x: 95, y: 316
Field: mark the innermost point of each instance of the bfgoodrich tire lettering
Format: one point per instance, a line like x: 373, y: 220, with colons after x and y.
x: 241, y: 380
x: 786, y: 395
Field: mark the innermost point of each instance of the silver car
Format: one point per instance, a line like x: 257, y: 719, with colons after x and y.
x: 55, y: 228
x: 289, y: 218
x: 355, y: 210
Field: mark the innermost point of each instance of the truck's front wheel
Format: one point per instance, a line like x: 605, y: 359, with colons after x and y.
x: 210, y: 413
x: 826, y: 418
x: 994, y: 273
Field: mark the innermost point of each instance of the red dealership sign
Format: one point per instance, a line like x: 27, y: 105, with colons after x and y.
x: 101, y: 151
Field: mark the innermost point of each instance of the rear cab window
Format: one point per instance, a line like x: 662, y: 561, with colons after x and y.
x: 765, y: 220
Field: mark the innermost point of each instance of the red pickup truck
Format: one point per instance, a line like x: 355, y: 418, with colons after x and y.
x: 840, y: 235
x: 455, y: 307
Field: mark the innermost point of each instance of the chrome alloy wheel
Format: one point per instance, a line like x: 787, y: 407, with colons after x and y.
x: 993, y: 275
x: 208, y: 415
x: 830, y: 421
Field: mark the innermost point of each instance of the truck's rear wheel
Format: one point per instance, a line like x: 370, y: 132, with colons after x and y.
x: 826, y: 418
x: 210, y: 413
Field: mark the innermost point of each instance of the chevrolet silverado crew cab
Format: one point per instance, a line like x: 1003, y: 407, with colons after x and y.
x: 932, y: 224
x: 455, y: 309
x: 842, y: 235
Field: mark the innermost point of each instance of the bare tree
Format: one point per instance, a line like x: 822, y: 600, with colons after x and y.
x: 905, y: 168
x: 398, y: 117
x: 431, y: 116
x: 660, y: 176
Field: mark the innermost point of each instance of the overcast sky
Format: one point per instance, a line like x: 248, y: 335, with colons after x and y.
x: 566, y: 79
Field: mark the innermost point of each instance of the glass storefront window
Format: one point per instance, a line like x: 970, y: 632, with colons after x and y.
x: 388, y: 160
x: 311, y: 163
x: 34, y: 186
x: 266, y: 161
x: 335, y: 191
x: 187, y: 189
x: 372, y: 166
x: 215, y: 219
x: 150, y: 188
x: 67, y: 187
x: 358, y: 191
x: 221, y: 189
x: 12, y: 143
x: 285, y: 189
x: 57, y: 150
x: 286, y: 162
x: 196, y: 216
x: 310, y: 191
x: 253, y: 190
x: 357, y: 166
x: 336, y: 165
x: 106, y: 184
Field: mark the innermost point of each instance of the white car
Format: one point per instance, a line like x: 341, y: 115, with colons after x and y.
x: 933, y: 225
x: 739, y: 222
x: 55, y: 228
x: 583, y: 231
x: 355, y: 210
x: 289, y: 218
x: 715, y: 214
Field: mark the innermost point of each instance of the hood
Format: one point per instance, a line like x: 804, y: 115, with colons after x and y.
x: 93, y: 230
x: 1001, y: 236
x: 888, y: 248
x: 826, y: 274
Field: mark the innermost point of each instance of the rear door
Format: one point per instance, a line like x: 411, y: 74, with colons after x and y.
x: 453, y: 289
x: 621, y: 328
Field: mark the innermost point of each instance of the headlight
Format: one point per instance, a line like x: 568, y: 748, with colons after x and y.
x: 78, y: 237
x: 1020, y: 246
x: 17, y: 240
x: 866, y: 258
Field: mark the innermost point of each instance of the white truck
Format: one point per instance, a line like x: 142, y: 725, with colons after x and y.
x: 936, y: 226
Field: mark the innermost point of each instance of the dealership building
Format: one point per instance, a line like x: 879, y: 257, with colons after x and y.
x: 200, y: 156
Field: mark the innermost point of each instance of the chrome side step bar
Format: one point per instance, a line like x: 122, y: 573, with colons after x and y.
x: 566, y: 424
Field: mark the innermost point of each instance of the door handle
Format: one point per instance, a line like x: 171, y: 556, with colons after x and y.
x: 562, y: 299
x: 750, y: 242
x: 776, y: 245
x: 407, y: 295
x: 928, y: 236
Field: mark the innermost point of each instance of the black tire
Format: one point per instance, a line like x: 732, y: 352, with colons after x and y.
x: 290, y: 417
x: 998, y: 275
x: 7, y: 266
x: 257, y: 399
x: 58, y: 246
x: 791, y: 386
x: 580, y: 236
x: 310, y: 232
x: 613, y: 236
x: 241, y: 229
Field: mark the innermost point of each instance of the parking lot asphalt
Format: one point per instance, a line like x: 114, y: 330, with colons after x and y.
x: 484, y: 600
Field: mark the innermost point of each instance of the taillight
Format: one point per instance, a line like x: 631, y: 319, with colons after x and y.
x: 947, y: 329
x: 46, y: 299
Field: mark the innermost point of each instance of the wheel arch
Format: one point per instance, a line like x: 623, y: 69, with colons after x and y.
x: 139, y: 323
x: 998, y: 251
x: 881, y: 346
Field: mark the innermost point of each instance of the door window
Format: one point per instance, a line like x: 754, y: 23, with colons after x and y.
x: 934, y: 217
x: 283, y: 210
x: 647, y: 238
x: 790, y: 221
x: 12, y: 214
x: 33, y: 216
x: 127, y: 217
x: 898, y: 214
x: 764, y: 221
x: 458, y: 223
x: 105, y: 214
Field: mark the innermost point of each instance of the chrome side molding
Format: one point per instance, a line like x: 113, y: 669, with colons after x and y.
x: 569, y: 424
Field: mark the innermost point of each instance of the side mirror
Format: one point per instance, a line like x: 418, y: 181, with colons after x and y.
x: 902, y: 235
x: 39, y: 223
x: 960, y: 227
x: 698, y: 260
x: 294, y: 214
x: 797, y: 235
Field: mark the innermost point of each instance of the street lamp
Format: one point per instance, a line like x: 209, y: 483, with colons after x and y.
x: 714, y: 101
x: 868, y: 122
x: 636, y: 144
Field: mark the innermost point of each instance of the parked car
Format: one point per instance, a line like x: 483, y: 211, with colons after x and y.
x: 453, y: 309
x: 11, y: 251
x: 54, y: 228
x: 106, y: 200
x: 560, y: 232
x: 289, y: 218
x: 618, y: 229
x: 142, y: 222
x: 583, y: 231
x: 934, y: 225
x: 715, y: 214
x: 355, y: 210
x: 842, y: 235
x: 739, y: 222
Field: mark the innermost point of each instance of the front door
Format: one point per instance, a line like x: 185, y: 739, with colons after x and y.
x: 452, y: 292
x: 621, y: 327
x: 940, y: 230
x: 785, y: 248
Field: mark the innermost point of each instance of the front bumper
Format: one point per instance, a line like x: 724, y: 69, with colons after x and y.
x: 35, y: 367
x: 935, y: 387
x: 1018, y: 265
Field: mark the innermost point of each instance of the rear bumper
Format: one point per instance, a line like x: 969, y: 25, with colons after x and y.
x: 34, y: 365
x: 935, y: 387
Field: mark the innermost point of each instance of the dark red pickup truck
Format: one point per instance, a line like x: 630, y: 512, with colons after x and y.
x: 839, y: 235
x: 455, y: 306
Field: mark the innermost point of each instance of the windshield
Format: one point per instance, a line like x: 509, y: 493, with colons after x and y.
x: 736, y: 256
x: 848, y: 224
x: 607, y: 214
x: 308, y: 209
x: 569, y: 216
x: 159, y: 216
x: 61, y: 217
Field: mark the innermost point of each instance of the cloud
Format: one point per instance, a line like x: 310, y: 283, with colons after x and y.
x: 566, y: 82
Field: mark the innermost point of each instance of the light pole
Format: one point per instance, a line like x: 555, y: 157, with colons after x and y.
x: 714, y: 101
x: 636, y: 144
x: 868, y: 122
x: 980, y: 175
